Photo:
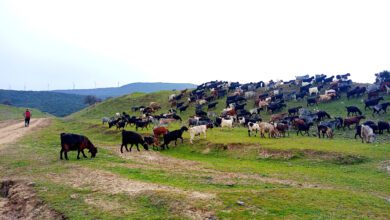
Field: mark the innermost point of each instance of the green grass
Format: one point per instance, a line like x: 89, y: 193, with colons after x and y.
x: 332, y: 179
x: 10, y: 112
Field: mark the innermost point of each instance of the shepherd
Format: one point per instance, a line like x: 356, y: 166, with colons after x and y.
x: 27, y: 116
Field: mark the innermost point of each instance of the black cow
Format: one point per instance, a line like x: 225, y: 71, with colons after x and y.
x: 132, y: 138
x: 73, y: 142
x: 173, y: 136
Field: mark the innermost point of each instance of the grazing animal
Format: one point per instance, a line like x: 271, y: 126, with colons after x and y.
x: 183, y: 108
x: 141, y: 124
x: 132, y: 138
x: 253, y: 127
x: 372, y: 102
x: 158, y: 131
x: 197, y: 130
x: 266, y: 127
x: 322, y: 114
x: 354, y: 110
x: 173, y: 136
x: 73, y: 142
x: 313, y: 90
x: 120, y: 124
x: 294, y: 111
x: 212, y: 105
x: 324, y: 98
x: 367, y: 134
x: 311, y: 101
x: 305, y: 128
x: 353, y: 120
x: 227, y: 123
x: 382, y: 125
x: 325, y: 130
x: 277, y: 117
x: 105, y: 120
x: 380, y: 107
x: 283, y: 128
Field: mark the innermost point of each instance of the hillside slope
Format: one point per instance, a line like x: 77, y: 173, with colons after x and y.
x: 57, y: 104
x: 10, y: 113
x: 129, y: 88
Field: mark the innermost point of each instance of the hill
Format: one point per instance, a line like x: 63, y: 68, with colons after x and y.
x: 58, y: 104
x: 10, y: 113
x: 129, y: 88
x: 226, y: 175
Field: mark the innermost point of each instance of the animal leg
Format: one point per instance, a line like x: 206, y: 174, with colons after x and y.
x: 66, y: 155
x: 82, y: 151
x: 78, y: 154
x: 137, y: 146
x: 62, y: 150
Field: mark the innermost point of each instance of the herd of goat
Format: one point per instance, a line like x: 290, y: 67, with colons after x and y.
x: 272, y: 100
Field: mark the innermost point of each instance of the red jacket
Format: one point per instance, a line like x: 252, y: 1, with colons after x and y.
x: 27, y: 114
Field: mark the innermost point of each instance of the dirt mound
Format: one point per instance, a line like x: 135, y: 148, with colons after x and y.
x: 18, y: 201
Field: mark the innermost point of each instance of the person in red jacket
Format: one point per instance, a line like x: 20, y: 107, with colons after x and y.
x: 27, y: 116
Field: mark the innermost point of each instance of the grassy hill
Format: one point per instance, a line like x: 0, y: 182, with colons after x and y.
x: 129, y: 88
x: 227, y: 175
x: 57, y: 104
x: 9, y: 113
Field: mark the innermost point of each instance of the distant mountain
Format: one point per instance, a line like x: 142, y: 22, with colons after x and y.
x: 58, y: 104
x: 129, y: 88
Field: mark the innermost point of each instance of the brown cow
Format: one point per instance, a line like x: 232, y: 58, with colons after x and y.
x: 353, y: 120
x: 158, y: 131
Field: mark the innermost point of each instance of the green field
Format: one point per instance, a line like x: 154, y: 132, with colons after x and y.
x: 228, y: 175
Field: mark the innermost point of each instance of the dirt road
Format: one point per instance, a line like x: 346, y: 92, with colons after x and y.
x: 11, y: 131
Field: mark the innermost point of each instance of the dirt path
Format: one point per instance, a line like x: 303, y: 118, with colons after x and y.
x: 11, y: 131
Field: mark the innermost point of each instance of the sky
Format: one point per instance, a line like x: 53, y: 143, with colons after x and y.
x: 86, y: 44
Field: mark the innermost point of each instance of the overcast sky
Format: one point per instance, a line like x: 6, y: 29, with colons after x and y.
x: 58, y: 43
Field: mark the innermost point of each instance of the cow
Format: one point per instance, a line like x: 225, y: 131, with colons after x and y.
x: 354, y: 110
x: 197, y: 130
x: 173, y: 136
x: 132, y: 138
x: 367, y: 134
x: 73, y: 142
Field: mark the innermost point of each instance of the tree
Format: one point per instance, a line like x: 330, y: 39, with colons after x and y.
x: 90, y: 100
